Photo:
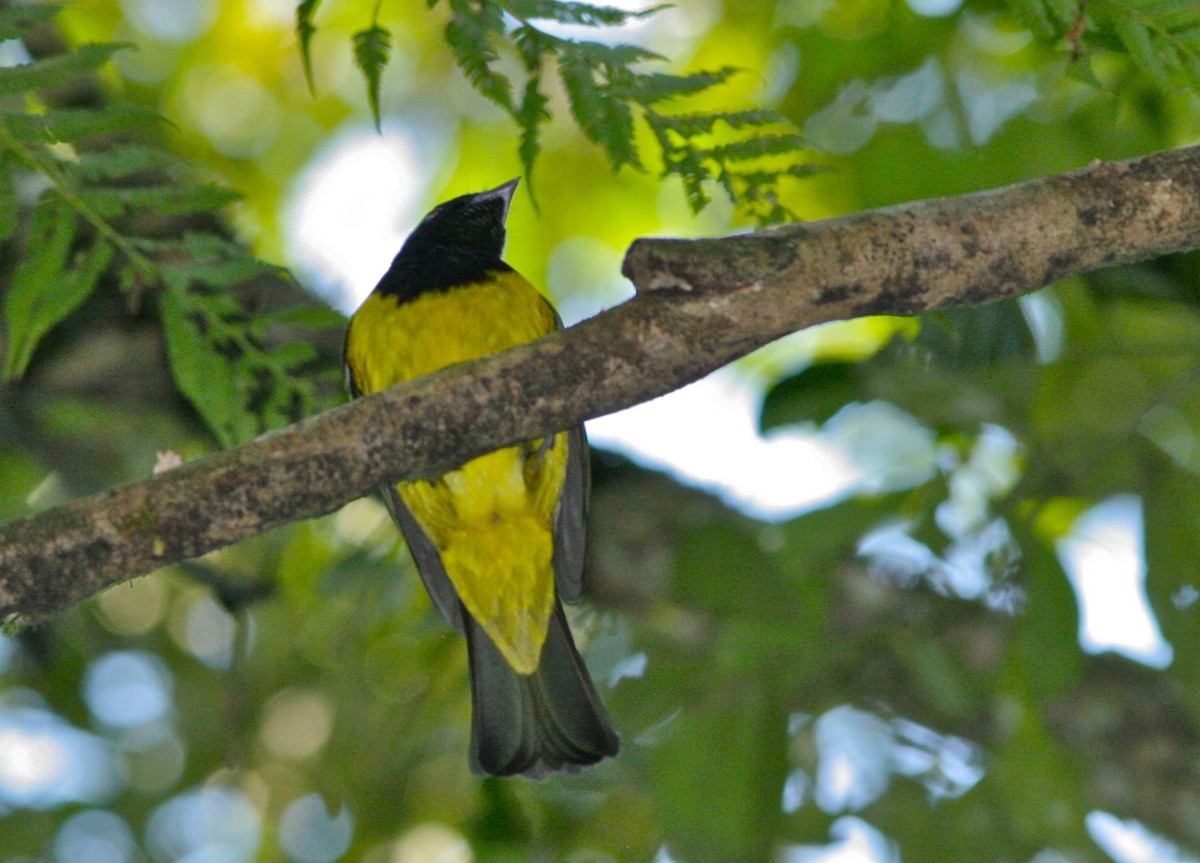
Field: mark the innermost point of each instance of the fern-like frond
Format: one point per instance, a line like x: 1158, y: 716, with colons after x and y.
x: 45, y: 286
x: 206, y: 261
x: 653, y: 88
x: 469, y: 34
x: 530, y: 116
x: 111, y: 202
x: 601, y: 95
x: 121, y: 162
x: 692, y: 125
x: 749, y: 169
x: 372, y: 47
x: 533, y: 45
x: 85, y: 194
x: 619, y: 54
x: 55, y: 70
x: 223, y: 361
x: 77, y: 124
x: 608, y: 89
x: 757, y: 147
x: 585, y: 14
x: 306, y: 10
x: 263, y: 385
x: 199, y: 364
x: 1161, y: 37
x: 584, y: 95
x: 1049, y: 18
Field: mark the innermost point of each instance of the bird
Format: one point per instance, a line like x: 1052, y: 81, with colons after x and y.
x: 498, y: 542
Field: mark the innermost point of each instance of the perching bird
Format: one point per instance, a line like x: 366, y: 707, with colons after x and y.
x: 500, y: 540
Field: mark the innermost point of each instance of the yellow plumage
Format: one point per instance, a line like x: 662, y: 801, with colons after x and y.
x: 501, y: 540
x: 492, y: 520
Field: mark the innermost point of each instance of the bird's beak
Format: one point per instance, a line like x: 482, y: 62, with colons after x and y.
x: 503, y: 193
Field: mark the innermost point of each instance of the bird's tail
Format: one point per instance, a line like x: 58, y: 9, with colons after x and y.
x: 538, y: 723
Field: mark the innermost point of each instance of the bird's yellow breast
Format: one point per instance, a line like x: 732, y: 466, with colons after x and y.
x: 492, y: 519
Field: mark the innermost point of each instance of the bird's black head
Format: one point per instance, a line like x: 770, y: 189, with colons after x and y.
x: 458, y: 243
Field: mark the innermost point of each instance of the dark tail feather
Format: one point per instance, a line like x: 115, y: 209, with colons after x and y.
x: 533, y: 725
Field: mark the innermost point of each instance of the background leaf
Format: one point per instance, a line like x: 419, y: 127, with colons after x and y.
x: 372, y: 47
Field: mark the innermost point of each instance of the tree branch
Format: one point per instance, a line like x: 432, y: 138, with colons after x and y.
x: 701, y: 304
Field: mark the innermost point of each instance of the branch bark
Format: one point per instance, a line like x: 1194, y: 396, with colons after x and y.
x: 700, y: 305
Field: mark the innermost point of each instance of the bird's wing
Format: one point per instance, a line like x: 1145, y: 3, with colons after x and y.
x: 570, y: 520
x: 427, y: 559
x: 420, y: 546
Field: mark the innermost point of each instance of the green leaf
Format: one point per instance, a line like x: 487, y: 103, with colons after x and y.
x: 585, y: 98
x: 973, y: 338
x: 692, y: 125
x: 468, y: 35
x: 314, y: 317
x: 605, y: 91
x: 1152, y: 48
x: 1035, y: 14
x: 812, y: 396
x: 294, y: 354
x: 530, y: 116
x: 76, y: 124
x: 1064, y: 12
x: 1136, y: 37
x: 9, y: 205
x: 617, y: 133
x: 1173, y: 15
x: 176, y: 200
x: 686, y: 163
x: 1172, y: 506
x: 210, y: 247
x: 620, y: 54
x: 218, y: 357
x: 753, y: 187
x: 58, y: 71
x: 120, y: 162
x: 225, y: 273
x: 586, y: 14
x: 757, y: 147
x: 310, y: 317
x: 657, y: 87
x: 203, y: 375
x: 16, y: 20
x: 372, y: 47
x: 51, y: 234
x: 602, y: 114
x: 134, y: 278
x: 1191, y: 65
x: 220, y: 263
x: 533, y: 44
x: 47, y: 285
x: 305, y: 29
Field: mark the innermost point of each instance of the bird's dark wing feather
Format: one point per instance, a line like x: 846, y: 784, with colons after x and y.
x: 538, y: 723
x: 427, y: 559
x: 424, y: 552
x: 570, y: 520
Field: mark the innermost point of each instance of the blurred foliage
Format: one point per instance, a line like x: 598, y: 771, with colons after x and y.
x: 898, y: 672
